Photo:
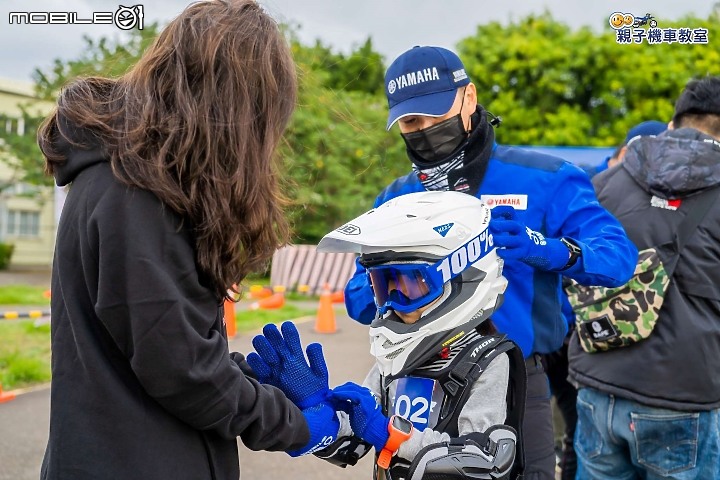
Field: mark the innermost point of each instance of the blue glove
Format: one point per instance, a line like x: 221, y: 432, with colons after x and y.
x: 515, y: 241
x: 280, y: 362
x: 366, y: 418
x: 263, y: 372
x: 324, y: 426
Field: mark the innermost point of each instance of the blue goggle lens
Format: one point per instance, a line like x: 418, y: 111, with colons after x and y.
x: 404, y: 287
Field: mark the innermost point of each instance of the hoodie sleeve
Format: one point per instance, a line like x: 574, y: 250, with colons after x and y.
x: 608, y: 256
x: 169, y: 325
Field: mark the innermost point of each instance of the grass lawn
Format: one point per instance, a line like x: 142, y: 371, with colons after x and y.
x: 23, y: 295
x: 25, y: 348
x: 24, y: 353
x: 253, y: 320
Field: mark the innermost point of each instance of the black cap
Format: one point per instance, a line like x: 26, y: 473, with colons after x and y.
x: 700, y: 96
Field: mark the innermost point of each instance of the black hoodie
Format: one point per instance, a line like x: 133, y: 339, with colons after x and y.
x: 677, y: 366
x: 143, y: 384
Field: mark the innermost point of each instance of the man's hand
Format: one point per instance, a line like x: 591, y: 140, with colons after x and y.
x: 515, y: 241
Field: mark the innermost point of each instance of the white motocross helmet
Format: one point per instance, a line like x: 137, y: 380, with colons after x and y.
x: 418, y: 248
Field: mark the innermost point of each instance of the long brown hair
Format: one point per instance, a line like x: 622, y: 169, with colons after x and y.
x: 197, y: 121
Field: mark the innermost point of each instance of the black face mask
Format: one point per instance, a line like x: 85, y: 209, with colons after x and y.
x: 436, y: 143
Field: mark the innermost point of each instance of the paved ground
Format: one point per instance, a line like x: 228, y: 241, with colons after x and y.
x: 24, y: 421
x: 23, y: 435
x: 38, y: 278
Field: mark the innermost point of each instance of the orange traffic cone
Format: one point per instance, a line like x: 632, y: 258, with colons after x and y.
x: 325, y: 322
x: 338, y: 297
x: 258, y: 292
x: 229, y: 314
x: 230, y: 326
x: 276, y: 300
x: 7, y: 396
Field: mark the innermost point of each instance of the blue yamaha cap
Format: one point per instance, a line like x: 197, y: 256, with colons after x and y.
x: 651, y: 127
x: 423, y: 81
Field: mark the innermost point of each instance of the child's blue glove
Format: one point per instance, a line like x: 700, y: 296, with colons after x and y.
x: 324, y: 426
x: 280, y: 362
x: 366, y: 418
x: 515, y: 241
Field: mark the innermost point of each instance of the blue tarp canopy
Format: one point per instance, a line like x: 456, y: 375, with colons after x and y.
x: 588, y: 156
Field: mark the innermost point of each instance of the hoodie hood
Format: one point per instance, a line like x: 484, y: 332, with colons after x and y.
x: 81, y: 148
x: 676, y: 163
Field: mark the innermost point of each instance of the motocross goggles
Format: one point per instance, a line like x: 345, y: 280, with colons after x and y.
x: 405, y: 287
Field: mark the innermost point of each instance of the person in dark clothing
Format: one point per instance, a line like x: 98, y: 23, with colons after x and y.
x: 652, y: 409
x: 556, y: 367
x: 173, y: 199
x: 556, y: 363
x: 650, y: 127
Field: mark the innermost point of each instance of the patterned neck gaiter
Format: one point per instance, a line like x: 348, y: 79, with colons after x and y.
x: 436, y: 178
x: 465, y: 168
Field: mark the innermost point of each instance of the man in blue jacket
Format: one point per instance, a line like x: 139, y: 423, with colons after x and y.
x: 546, y: 218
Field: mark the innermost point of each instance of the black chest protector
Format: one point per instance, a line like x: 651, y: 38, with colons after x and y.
x: 455, y: 377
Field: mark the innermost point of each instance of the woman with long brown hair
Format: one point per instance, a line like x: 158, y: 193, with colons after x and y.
x: 174, y: 197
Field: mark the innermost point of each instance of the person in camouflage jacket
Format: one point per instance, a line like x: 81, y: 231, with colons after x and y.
x: 651, y: 409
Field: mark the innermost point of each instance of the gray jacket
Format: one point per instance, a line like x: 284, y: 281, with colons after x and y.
x: 677, y: 366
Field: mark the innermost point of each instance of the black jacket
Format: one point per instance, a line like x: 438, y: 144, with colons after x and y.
x: 143, y: 385
x: 677, y: 366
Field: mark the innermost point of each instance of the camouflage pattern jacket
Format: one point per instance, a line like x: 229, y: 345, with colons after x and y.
x: 676, y: 367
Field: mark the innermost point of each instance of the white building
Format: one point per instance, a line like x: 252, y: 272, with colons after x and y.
x: 27, y: 212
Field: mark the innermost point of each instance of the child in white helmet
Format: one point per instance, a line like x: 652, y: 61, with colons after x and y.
x: 447, y: 392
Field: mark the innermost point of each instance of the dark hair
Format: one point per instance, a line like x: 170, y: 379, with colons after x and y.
x: 196, y: 122
x: 708, y: 123
x: 699, y: 97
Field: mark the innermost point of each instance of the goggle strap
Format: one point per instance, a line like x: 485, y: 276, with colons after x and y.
x: 461, y: 259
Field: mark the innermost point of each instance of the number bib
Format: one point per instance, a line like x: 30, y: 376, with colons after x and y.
x: 416, y: 399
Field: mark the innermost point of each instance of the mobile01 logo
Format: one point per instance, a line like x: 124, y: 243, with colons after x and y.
x: 124, y: 18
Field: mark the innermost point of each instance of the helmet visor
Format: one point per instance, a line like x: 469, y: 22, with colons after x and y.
x: 404, y: 287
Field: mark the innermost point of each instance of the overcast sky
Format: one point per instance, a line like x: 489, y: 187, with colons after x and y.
x: 394, y: 25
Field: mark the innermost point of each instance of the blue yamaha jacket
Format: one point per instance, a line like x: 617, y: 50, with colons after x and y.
x: 553, y: 197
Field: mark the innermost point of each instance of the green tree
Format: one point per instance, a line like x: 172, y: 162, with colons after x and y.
x: 103, y: 57
x: 100, y: 57
x: 362, y: 70
x: 20, y: 151
x: 338, y: 155
x: 560, y: 86
x: 336, y: 149
x: 553, y: 85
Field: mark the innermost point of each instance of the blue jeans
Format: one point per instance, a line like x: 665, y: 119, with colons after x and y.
x: 618, y: 439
